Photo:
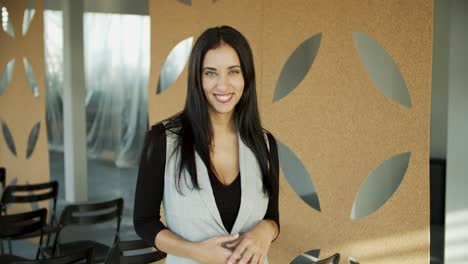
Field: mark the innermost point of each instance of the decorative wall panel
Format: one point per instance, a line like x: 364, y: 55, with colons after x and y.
x: 345, y: 88
x: 23, y: 134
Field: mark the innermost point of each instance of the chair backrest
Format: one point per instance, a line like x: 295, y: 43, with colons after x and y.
x: 92, y: 213
x: 80, y: 256
x: 89, y: 214
x: 28, y: 193
x: 2, y: 177
x: 335, y: 259
x: 117, y: 256
x: 16, y: 225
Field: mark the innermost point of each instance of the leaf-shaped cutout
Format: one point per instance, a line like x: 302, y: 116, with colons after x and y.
x: 32, y: 140
x: 353, y: 261
x: 6, y: 22
x: 28, y: 15
x: 382, y: 69
x: 31, y: 77
x: 174, y: 64
x: 307, y: 258
x: 6, y: 76
x: 297, y: 66
x: 185, y: 2
x: 297, y: 176
x: 8, y: 138
x: 380, y: 185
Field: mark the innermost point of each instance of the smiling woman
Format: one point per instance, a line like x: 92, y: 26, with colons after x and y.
x: 213, y: 166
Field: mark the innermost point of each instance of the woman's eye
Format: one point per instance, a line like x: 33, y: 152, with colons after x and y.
x: 234, y: 72
x: 209, y: 73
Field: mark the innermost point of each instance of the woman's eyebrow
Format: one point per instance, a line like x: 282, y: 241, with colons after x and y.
x: 209, y: 68
x: 233, y: 66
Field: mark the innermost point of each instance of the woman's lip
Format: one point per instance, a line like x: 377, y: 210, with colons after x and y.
x: 223, y: 98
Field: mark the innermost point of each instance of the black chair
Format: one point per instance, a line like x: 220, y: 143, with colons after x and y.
x: 29, y: 193
x: 16, y: 225
x: 335, y: 259
x: 2, y: 177
x: 117, y: 256
x: 82, y: 257
x: 87, y: 214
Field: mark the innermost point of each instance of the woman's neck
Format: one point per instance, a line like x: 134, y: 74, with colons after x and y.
x: 222, y: 123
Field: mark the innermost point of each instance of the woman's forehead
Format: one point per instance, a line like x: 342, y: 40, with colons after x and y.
x: 221, y: 56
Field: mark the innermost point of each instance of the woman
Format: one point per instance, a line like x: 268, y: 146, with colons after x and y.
x: 212, y: 165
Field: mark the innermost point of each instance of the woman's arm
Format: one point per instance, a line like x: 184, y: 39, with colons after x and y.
x: 150, y: 185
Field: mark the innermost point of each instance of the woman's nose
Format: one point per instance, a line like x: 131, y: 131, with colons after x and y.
x: 223, y: 82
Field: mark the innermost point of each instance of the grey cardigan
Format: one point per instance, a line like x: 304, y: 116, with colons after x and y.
x: 194, y: 215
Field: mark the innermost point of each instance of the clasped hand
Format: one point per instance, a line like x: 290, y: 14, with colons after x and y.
x: 249, y: 248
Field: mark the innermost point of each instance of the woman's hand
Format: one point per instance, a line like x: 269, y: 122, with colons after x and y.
x: 252, y: 247
x: 212, y: 251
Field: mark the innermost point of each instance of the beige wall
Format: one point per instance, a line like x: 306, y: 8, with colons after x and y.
x: 20, y: 110
x: 336, y: 121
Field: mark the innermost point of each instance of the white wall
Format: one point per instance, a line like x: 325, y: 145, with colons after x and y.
x: 456, y: 232
x: 439, y: 99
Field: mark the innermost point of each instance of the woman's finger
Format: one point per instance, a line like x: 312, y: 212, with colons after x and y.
x: 255, y: 259
x: 237, y: 254
x: 232, y: 244
x: 246, y: 256
x: 262, y: 260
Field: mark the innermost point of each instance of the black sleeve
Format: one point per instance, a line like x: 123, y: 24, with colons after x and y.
x: 272, y: 212
x: 150, y: 185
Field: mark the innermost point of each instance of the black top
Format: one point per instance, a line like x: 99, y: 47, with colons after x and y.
x: 228, y: 199
x: 150, y: 188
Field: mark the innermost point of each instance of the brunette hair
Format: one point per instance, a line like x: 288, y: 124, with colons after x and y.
x: 193, y: 122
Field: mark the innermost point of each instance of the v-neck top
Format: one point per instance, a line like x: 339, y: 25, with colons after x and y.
x: 150, y: 188
x: 228, y: 199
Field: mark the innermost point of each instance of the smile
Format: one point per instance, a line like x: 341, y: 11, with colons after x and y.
x: 223, y: 98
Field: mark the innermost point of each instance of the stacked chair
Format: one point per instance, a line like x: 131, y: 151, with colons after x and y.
x: 117, y: 254
x: 51, y: 249
x: 30, y: 193
x: 86, y: 214
x: 17, y: 225
x: 2, y: 177
x: 335, y: 259
x: 81, y: 256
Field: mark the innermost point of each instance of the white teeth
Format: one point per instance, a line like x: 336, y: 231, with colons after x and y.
x: 223, y: 98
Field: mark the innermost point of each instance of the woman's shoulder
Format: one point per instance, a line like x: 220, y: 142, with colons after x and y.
x: 165, y: 130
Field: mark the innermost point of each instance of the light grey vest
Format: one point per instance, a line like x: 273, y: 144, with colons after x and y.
x: 194, y: 215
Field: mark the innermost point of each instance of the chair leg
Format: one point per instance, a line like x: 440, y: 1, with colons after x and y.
x: 9, y: 245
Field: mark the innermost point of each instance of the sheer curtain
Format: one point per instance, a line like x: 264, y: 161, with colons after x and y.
x: 116, y: 50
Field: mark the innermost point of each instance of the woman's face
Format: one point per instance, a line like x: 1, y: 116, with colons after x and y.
x: 222, y: 80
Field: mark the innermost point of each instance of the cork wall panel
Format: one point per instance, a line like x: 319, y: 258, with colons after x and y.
x: 173, y: 21
x: 22, y: 102
x: 341, y: 126
x: 337, y: 122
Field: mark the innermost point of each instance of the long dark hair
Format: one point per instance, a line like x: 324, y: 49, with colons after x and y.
x: 193, y: 123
